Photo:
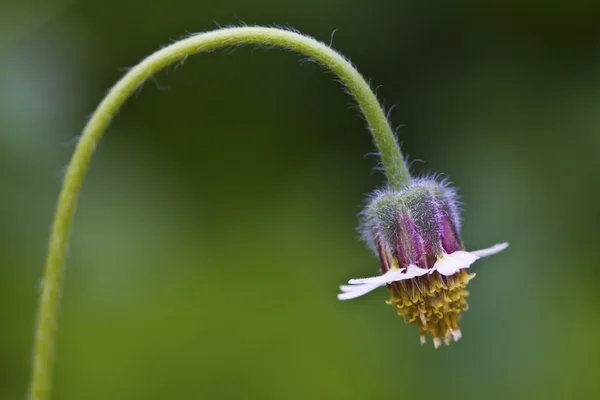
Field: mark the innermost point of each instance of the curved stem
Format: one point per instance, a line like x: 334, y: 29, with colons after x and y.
x: 391, y: 158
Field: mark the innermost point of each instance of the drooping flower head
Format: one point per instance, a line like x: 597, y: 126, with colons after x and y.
x: 415, y: 233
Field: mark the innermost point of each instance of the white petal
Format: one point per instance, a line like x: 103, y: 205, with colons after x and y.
x: 389, y: 276
x: 490, y: 250
x: 449, y: 264
x: 413, y: 271
x: 354, y: 291
x: 349, y: 288
x: 392, y: 276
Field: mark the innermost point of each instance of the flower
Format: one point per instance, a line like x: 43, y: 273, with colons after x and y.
x: 415, y: 233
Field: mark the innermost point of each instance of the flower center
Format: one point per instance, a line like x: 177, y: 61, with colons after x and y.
x: 433, y: 302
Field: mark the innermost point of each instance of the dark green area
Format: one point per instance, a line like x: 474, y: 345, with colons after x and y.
x: 219, y: 215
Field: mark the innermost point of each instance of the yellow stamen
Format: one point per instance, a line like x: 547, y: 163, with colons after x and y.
x: 434, y: 303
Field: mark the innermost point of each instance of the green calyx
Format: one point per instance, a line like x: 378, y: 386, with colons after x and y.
x: 424, y: 211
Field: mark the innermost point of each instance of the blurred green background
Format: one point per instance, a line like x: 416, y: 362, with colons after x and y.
x: 219, y: 215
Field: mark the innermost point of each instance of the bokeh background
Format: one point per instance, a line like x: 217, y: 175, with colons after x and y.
x: 219, y: 214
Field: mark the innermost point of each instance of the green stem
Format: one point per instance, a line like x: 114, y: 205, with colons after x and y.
x: 391, y: 158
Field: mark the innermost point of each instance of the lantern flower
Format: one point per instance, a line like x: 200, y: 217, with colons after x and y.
x: 415, y: 233
x: 413, y: 225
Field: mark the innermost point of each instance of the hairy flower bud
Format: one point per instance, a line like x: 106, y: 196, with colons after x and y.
x: 415, y: 233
